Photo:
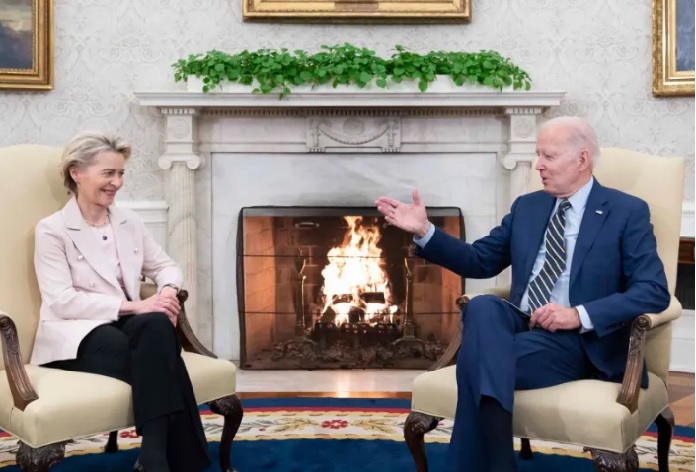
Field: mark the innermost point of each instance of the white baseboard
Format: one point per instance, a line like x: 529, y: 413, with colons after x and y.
x: 688, y: 220
x: 153, y: 214
x: 682, y: 357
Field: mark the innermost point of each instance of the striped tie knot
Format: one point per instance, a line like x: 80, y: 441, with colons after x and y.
x: 555, y: 260
x: 565, y: 204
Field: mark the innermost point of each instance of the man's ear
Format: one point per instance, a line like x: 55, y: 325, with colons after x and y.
x: 584, y: 160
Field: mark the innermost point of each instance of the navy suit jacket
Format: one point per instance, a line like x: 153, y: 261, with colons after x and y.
x: 616, y: 273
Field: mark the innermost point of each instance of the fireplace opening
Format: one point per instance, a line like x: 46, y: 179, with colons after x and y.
x: 339, y: 288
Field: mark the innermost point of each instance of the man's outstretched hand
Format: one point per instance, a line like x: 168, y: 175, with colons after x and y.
x: 554, y: 317
x: 409, y: 217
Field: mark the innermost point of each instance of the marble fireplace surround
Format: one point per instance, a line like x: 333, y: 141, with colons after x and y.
x: 201, y: 130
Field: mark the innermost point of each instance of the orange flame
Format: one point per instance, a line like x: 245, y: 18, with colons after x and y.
x: 354, y: 269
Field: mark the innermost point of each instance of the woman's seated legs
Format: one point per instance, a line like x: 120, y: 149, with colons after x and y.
x: 162, y: 387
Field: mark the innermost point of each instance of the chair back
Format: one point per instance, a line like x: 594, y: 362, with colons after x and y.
x: 32, y: 189
x: 660, y: 182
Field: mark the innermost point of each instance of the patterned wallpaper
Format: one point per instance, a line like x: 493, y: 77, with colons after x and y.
x: 598, y: 51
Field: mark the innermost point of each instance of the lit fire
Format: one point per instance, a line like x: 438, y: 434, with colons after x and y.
x: 354, y: 278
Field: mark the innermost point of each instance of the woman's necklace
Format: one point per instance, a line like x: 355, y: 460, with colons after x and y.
x: 100, y: 225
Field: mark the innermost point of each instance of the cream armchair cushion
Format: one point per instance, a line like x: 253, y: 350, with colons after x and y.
x: 602, y: 416
x: 65, y: 397
x: 46, y: 407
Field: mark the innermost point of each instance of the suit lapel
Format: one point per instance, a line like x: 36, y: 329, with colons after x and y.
x: 537, y: 221
x: 86, y: 241
x: 125, y: 246
x: 596, y: 212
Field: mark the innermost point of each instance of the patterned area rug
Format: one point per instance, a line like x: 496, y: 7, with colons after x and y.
x: 336, y: 435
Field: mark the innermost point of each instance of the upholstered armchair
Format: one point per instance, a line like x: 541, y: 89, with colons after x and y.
x: 605, y: 417
x: 46, y: 408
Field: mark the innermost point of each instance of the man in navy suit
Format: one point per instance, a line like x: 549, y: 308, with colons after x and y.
x: 584, y: 265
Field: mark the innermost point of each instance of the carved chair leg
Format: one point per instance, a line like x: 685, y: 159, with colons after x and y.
x: 40, y: 459
x: 605, y: 461
x: 526, y: 453
x: 417, y: 425
x: 665, y: 430
x: 231, y: 408
x: 112, y: 444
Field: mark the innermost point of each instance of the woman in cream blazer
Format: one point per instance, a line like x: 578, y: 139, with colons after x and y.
x: 89, y: 258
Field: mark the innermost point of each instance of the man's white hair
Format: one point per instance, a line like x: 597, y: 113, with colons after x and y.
x: 582, y: 134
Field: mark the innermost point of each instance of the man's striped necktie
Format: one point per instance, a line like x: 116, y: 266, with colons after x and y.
x: 540, y: 288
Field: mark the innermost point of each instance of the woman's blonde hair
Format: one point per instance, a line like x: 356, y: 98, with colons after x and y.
x: 81, y: 149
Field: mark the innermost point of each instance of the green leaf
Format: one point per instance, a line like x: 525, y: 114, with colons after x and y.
x: 345, y: 64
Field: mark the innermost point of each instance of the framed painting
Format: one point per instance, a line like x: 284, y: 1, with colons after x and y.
x: 26, y: 44
x: 673, y: 48
x: 363, y: 11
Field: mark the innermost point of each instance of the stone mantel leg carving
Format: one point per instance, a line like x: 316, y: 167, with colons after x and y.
x: 181, y: 158
x: 521, y: 147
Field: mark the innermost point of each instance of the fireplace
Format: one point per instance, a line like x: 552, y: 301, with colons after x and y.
x: 339, y: 288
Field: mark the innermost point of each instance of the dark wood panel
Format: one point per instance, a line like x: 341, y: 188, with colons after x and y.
x: 686, y: 251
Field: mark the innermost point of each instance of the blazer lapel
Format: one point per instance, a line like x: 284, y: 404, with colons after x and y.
x: 86, y: 241
x: 537, y: 221
x: 596, y: 212
x: 125, y: 246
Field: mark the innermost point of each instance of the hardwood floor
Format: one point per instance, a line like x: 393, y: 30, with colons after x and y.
x: 681, y: 396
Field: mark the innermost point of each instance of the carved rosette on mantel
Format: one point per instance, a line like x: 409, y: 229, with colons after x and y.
x: 340, y: 122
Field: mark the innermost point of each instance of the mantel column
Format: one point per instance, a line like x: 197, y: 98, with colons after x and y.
x: 521, y: 148
x: 181, y: 159
x: 521, y: 153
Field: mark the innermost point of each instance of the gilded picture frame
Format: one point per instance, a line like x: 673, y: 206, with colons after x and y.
x: 673, y: 48
x: 26, y: 44
x: 362, y: 11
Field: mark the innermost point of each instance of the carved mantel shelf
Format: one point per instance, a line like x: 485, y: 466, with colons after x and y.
x: 378, y: 115
x: 476, y: 98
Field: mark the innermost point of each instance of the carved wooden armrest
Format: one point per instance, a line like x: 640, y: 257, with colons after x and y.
x: 187, y: 338
x: 630, y: 387
x: 23, y: 392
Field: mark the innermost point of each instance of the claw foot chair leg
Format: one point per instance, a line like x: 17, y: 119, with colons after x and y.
x: 526, y: 453
x: 605, y: 461
x: 40, y: 459
x: 417, y: 425
x: 112, y: 444
x: 231, y: 408
x: 665, y: 430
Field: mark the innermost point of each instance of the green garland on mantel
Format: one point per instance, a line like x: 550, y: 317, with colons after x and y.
x: 272, y: 70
